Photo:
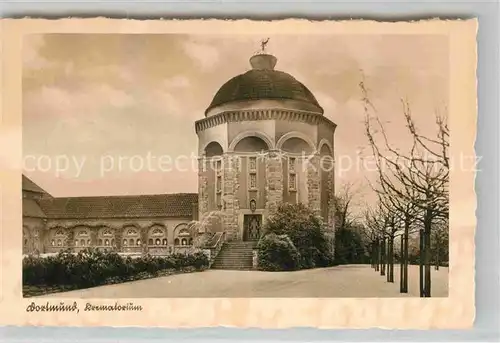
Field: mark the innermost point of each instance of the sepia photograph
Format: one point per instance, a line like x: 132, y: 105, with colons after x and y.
x: 235, y: 166
x: 201, y: 173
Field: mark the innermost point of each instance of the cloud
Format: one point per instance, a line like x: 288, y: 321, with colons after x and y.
x: 327, y: 102
x: 205, y: 55
x: 62, y: 102
x: 130, y: 94
x: 178, y: 81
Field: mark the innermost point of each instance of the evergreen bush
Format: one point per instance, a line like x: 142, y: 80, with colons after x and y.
x: 277, y: 253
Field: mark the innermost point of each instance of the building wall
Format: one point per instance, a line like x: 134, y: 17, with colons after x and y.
x: 275, y: 176
x: 284, y: 127
x: 325, y: 132
x: 214, y: 134
x: 264, y: 127
x: 60, y: 234
x: 33, y: 234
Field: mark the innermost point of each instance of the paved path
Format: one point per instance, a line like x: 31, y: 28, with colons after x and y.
x: 341, y: 281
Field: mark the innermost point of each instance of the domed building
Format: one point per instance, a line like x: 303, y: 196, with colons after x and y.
x: 264, y: 141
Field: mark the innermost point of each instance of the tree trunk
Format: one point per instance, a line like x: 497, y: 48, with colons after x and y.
x: 437, y: 251
x: 378, y: 256
x: 405, y: 257
x: 421, y: 262
x: 401, y: 266
x: 372, y: 254
x: 390, y: 260
x: 427, y: 234
x: 382, y: 257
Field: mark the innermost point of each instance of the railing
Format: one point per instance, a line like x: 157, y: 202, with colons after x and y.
x: 215, y: 245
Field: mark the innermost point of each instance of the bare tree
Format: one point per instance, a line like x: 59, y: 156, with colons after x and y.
x: 344, y: 203
x: 418, y: 179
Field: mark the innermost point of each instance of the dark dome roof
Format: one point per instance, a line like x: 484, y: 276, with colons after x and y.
x: 265, y: 83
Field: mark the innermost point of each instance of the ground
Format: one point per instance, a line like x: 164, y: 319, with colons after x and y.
x: 340, y: 281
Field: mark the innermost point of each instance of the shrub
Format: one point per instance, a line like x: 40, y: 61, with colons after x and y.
x: 92, y: 268
x: 306, y: 231
x: 277, y: 253
x: 349, y: 247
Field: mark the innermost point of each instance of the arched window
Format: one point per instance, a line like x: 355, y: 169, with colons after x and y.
x: 165, y: 241
x: 76, y: 242
x: 251, y: 144
x: 83, y: 233
x: 59, y: 243
x: 131, y: 241
x: 88, y: 242
x: 182, y: 235
x: 106, y: 242
x: 53, y: 243
x: 125, y: 243
x: 82, y: 242
x: 156, y: 234
x: 138, y: 242
x: 213, y: 149
x: 99, y: 242
x: 296, y: 145
x: 112, y: 242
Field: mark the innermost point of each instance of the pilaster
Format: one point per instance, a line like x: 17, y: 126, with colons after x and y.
x: 274, y: 181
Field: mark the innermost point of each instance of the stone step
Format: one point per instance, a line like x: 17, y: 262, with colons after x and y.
x: 233, y: 268
x: 233, y: 259
x: 224, y: 263
x: 234, y: 265
x: 235, y: 255
x: 245, y: 247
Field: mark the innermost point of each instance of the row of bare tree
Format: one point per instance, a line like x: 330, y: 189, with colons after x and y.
x: 411, y: 186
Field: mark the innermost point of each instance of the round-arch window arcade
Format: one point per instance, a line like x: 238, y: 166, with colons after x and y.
x: 251, y: 144
x: 213, y: 149
x: 296, y: 145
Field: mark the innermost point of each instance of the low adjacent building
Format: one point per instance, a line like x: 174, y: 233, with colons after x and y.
x: 129, y: 224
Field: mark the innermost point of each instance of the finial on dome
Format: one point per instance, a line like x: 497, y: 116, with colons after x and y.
x: 263, y: 44
x: 263, y: 60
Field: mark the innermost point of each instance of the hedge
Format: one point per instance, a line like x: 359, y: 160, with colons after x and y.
x: 91, y: 268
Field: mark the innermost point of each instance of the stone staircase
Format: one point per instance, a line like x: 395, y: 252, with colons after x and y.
x: 234, y: 255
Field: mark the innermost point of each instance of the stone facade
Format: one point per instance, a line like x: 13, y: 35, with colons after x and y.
x: 272, y: 149
x: 274, y: 181
x: 144, y: 224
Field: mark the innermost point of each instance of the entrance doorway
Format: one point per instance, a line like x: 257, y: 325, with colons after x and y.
x: 252, y: 227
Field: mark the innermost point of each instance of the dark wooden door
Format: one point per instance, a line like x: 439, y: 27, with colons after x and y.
x: 252, y: 227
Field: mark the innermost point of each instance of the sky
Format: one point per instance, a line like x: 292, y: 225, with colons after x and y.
x: 101, y: 110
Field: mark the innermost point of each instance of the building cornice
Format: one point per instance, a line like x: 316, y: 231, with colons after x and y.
x: 263, y: 114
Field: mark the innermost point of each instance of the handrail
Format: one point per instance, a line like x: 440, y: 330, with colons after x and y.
x: 220, y: 237
x: 216, y: 248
